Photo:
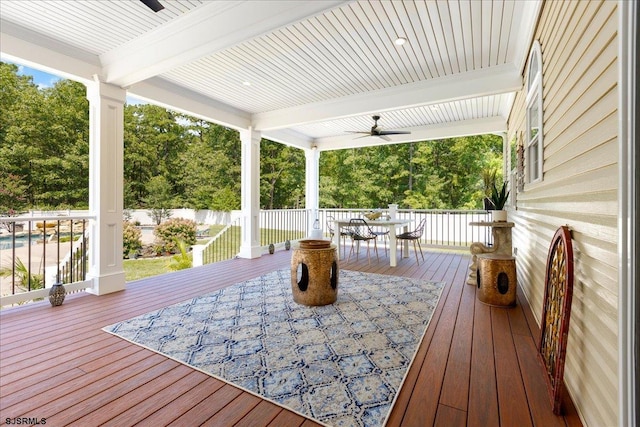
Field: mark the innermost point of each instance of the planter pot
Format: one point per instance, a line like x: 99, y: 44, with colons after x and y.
x: 499, y: 215
x: 57, y: 294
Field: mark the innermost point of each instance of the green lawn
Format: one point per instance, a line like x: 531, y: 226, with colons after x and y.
x: 135, y: 269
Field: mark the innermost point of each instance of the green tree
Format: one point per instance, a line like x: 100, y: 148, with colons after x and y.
x: 63, y: 168
x: 159, y: 198
x: 12, y: 190
x: 153, y: 141
x: 44, y: 139
x: 210, y: 178
x: 282, y: 178
x: 442, y: 174
x: 173, y: 160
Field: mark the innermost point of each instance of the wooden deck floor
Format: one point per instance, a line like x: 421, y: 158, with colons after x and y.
x: 476, y: 366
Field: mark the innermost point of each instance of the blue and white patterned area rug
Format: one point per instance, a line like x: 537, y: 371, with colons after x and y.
x: 339, y: 364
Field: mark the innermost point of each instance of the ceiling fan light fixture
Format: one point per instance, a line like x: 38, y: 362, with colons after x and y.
x: 400, y: 41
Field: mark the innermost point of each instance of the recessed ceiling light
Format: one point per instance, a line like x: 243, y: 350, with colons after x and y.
x: 400, y: 41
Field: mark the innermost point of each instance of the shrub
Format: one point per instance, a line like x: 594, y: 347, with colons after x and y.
x: 170, y: 232
x: 131, y: 238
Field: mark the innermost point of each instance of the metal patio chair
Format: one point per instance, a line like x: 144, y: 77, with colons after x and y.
x: 361, y: 232
x: 415, y: 236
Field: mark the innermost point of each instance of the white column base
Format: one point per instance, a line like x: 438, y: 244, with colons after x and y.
x: 250, y: 252
x: 107, y: 284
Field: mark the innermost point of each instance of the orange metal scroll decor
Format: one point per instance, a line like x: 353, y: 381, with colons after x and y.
x: 556, y: 311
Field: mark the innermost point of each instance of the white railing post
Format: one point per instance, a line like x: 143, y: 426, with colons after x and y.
x: 312, y: 184
x: 198, y: 252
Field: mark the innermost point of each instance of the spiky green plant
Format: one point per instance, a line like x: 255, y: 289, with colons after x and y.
x: 181, y: 260
x: 22, y: 275
x: 499, y: 197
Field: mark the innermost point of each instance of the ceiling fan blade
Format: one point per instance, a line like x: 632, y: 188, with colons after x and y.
x: 154, y: 5
x: 376, y: 130
x: 393, y: 132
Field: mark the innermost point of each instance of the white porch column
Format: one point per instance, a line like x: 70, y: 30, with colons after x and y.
x: 106, y: 128
x: 250, y: 237
x: 312, y: 184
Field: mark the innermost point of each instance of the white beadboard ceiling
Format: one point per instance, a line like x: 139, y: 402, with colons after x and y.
x: 301, y: 72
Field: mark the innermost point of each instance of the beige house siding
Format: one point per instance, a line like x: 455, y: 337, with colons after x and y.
x: 579, y: 189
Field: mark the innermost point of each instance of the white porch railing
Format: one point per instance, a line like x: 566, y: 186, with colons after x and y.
x: 33, y: 257
x: 38, y: 251
x: 444, y: 228
x: 224, y: 245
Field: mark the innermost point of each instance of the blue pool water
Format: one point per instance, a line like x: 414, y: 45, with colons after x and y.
x: 6, y: 242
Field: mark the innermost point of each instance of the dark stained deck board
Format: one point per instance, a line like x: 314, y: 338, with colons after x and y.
x: 483, y: 393
x: 101, y: 406
x: 286, y: 419
x: 512, y: 399
x: 182, y: 403
x: 455, y: 388
x: 160, y: 399
x: 88, y: 388
x: 44, y: 380
x: 263, y: 412
x: 210, y: 405
x: 423, y: 402
x: 450, y: 417
x: 234, y: 411
x: 58, y: 363
x: 411, y: 384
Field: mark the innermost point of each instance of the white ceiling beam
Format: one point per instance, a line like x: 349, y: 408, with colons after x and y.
x: 489, y: 81
x: 205, y: 30
x: 169, y: 95
x: 290, y: 138
x: 18, y: 44
x: 422, y: 133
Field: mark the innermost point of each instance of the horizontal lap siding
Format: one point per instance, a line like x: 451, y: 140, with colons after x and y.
x: 579, y: 189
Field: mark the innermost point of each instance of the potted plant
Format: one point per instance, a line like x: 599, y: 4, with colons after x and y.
x: 488, y: 182
x: 498, y: 200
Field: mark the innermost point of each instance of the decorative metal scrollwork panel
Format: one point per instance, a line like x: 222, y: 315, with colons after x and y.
x: 556, y: 311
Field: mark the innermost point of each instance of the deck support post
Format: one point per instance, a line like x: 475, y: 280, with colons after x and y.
x: 106, y: 152
x: 250, y: 196
x: 312, y: 184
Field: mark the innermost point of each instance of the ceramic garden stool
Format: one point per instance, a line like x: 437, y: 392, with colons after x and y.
x: 314, y: 275
x: 497, y: 281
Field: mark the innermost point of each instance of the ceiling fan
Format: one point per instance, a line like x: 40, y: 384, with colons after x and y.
x: 154, y: 5
x: 377, y: 131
